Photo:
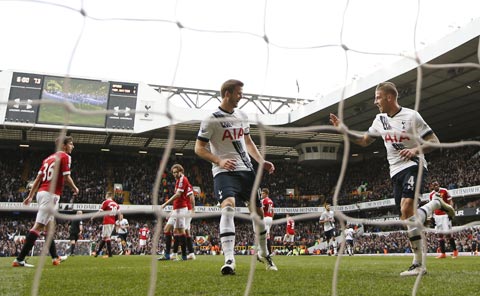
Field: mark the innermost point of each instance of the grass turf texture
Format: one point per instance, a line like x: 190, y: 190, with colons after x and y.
x: 302, y: 275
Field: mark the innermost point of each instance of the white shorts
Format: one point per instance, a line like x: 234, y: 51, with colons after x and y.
x: 171, y: 219
x: 289, y: 238
x: 107, y: 230
x: 268, y: 225
x: 442, y: 223
x: 142, y: 242
x: 47, y: 205
x: 177, y: 218
x: 188, y: 221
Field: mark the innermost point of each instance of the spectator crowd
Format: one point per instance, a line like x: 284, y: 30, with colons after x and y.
x: 308, y: 233
x: 366, y: 180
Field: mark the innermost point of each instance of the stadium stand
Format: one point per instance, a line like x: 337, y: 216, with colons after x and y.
x: 313, y: 186
x: 365, y: 181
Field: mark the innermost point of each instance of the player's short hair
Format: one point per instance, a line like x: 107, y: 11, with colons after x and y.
x: 109, y: 194
x: 388, y: 88
x: 64, y: 140
x: 177, y: 166
x: 435, y: 183
x: 229, y: 86
x: 265, y: 190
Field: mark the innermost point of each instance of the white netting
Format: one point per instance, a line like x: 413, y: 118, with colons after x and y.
x: 176, y: 35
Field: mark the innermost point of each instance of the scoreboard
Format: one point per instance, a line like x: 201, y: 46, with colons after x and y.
x: 44, y: 99
x: 53, y: 101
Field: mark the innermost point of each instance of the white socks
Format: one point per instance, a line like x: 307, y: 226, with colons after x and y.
x: 415, y: 237
x: 227, y: 233
x: 262, y: 237
x: 426, y: 210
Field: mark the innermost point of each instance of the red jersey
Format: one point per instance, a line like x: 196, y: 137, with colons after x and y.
x: 47, y: 169
x: 290, y: 226
x: 109, y: 205
x: 185, y: 188
x: 267, y: 206
x: 443, y: 193
x: 143, y: 233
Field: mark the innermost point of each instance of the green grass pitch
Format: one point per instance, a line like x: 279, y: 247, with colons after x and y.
x: 302, y: 275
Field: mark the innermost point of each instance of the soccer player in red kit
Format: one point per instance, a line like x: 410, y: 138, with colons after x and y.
x: 183, y: 193
x: 48, y: 186
x: 143, y: 235
x: 268, y: 213
x: 113, y: 209
x: 188, y: 224
x: 442, y: 221
x: 289, y: 238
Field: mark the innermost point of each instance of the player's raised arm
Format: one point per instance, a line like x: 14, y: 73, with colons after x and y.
x: 363, y: 140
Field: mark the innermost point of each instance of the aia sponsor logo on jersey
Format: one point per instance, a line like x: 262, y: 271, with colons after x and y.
x: 396, y: 138
x: 233, y: 134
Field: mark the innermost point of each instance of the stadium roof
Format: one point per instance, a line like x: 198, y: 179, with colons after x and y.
x: 449, y: 103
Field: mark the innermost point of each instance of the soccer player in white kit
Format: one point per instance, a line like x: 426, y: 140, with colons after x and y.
x: 122, y: 232
x: 227, y: 130
x: 349, y: 233
x: 327, y: 218
x: 397, y: 126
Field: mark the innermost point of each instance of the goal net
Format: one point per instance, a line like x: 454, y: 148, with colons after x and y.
x: 313, y: 63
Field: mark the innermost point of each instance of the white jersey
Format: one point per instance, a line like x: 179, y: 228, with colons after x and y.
x: 122, y: 226
x: 349, y: 232
x: 225, y: 132
x: 329, y: 217
x: 397, y: 133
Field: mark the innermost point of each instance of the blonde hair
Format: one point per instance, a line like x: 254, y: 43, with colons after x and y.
x: 388, y: 88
